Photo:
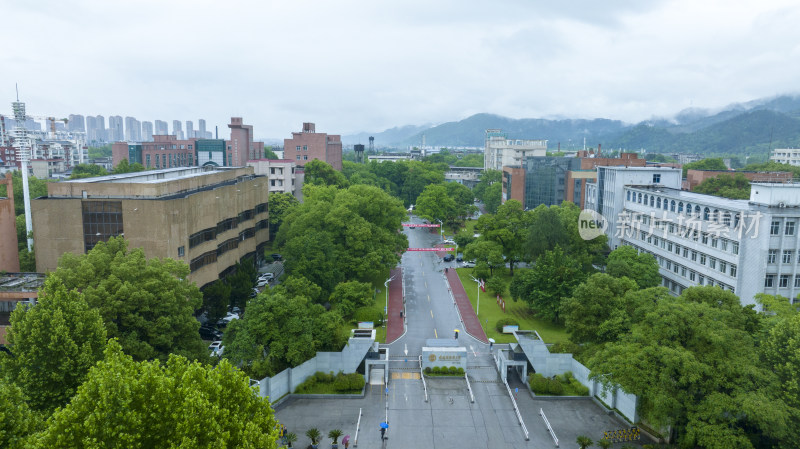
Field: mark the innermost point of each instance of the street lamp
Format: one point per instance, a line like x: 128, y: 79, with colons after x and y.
x: 386, y: 307
x: 478, y: 309
x: 441, y: 229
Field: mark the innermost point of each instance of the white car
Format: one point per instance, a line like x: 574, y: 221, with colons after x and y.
x: 468, y: 264
x: 216, y: 348
x: 262, y: 283
x: 449, y: 242
x: 229, y: 317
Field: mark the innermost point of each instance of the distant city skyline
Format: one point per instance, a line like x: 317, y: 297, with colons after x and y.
x: 360, y: 66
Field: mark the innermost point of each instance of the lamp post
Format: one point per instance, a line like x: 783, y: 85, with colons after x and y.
x: 386, y: 307
x: 441, y: 229
x: 478, y: 309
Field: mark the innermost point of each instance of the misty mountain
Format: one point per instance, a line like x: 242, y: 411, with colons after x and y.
x: 385, y: 138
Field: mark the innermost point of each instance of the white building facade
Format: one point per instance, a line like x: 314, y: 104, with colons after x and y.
x: 500, y: 151
x: 747, y: 247
x: 789, y: 156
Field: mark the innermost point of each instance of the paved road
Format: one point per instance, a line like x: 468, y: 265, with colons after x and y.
x: 449, y: 419
x: 395, y: 324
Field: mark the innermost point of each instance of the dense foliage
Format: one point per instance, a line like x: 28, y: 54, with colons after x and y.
x: 736, y: 186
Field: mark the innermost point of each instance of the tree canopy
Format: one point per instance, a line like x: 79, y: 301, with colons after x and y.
x: 87, y: 171
x: 642, y: 268
x: 280, y: 204
x: 130, y: 404
x: 543, y: 287
x: 321, y: 173
x: 508, y: 227
x: 148, y: 304
x: 734, y: 186
x: 53, y: 345
x: 705, y: 164
x: 126, y: 167
x: 599, y: 310
x: 342, y: 234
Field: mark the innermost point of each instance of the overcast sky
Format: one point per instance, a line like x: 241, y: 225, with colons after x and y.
x: 368, y: 65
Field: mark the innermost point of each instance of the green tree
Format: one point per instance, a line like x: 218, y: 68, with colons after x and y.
x: 599, y: 309
x: 493, y: 197
x: 543, y: 287
x: 463, y: 238
x: 496, y: 285
x: 781, y: 352
x: 682, y: 362
x: 642, y: 268
x: 349, y: 296
x: 584, y: 441
x: 147, y: 304
x: 297, y: 285
x: 53, y: 345
x: 337, y: 235
x: 269, y: 154
x: 241, y: 282
x: 508, y: 227
x: 486, y: 254
x: 434, y: 203
x: 546, y: 231
x: 36, y: 187
x: 87, y: 171
x: 487, y: 178
x: 278, y: 331
x: 124, y: 403
x: 125, y: 167
x: 100, y: 152
x: 17, y: 420
x: 727, y: 186
x: 216, y: 298
x: 705, y: 164
x: 464, y: 198
x: 321, y: 173
x: 279, y: 205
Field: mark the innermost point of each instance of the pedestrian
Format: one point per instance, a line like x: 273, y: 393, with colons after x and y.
x: 383, y: 432
x: 490, y: 346
x: 445, y: 269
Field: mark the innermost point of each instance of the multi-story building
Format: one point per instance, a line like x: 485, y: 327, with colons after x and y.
x: 212, y: 152
x: 147, y: 131
x: 241, y: 147
x: 46, y: 168
x: 115, y: 129
x: 161, y: 128
x: 282, y: 174
x: 209, y: 217
x: 308, y: 145
x: 201, y: 129
x: 500, y: 151
x: 696, y: 177
x: 76, y: 123
x: 133, y: 129
x: 163, y: 152
x: 9, y: 251
x: 176, y: 129
x: 190, y: 129
x: 789, y: 156
x: 550, y: 180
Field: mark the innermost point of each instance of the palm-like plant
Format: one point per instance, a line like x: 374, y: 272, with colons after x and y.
x: 290, y: 438
x: 604, y: 443
x: 314, y: 435
x: 584, y: 441
x: 334, y: 435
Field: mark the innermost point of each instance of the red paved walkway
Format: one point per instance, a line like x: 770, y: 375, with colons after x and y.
x: 471, y: 322
x: 395, y: 327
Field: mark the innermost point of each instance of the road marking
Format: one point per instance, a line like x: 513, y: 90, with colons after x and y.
x: 426, y: 284
x: 434, y: 333
x: 431, y: 313
x: 473, y: 350
x: 429, y: 298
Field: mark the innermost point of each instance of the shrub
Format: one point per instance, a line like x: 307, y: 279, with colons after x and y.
x: 453, y: 370
x: 321, y: 377
x: 538, y: 383
x: 348, y: 382
x: 505, y: 322
x: 437, y: 369
x: 496, y: 285
x: 428, y: 370
x: 369, y: 314
x: 555, y: 387
x: 578, y: 388
x: 565, y: 347
x: 460, y: 371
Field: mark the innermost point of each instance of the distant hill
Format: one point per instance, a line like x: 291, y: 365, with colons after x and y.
x: 741, y: 128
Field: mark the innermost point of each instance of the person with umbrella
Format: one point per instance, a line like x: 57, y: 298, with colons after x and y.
x: 346, y: 441
x: 384, y: 426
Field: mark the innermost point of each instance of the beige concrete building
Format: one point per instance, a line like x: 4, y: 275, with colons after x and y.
x: 282, y: 175
x: 500, y: 151
x: 208, y: 217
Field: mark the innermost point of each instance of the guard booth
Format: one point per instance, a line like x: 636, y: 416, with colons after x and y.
x: 443, y: 352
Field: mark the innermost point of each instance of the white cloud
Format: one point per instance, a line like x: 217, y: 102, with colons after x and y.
x: 357, y: 65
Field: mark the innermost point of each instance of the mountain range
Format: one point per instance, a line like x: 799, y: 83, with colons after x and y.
x: 748, y: 128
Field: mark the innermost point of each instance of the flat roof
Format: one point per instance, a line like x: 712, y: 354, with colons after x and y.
x: 154, y: 176
x: 693, y: 197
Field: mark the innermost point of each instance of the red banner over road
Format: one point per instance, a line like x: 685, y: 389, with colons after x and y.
x: 431, y: 249
x: 412, y: 225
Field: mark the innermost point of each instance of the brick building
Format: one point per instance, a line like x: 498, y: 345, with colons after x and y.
x: 163, y: 152
x: 308, y: 145
x: 9, y: 251
x: 241, y: 147
x: 696, y: 177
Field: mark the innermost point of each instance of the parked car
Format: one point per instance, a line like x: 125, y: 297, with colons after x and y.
x: 448, y: 258
x: 468, y: 264
x: 265, y: 276
x: 255, y: 292
x: 216, y: 348
x: 262, y: 283
x: 459, y: 257
x: 449, y: 242
x: 208, y: 332
x: 276, y: 257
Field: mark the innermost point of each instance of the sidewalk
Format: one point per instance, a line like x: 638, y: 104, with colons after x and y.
x: 394, y: 325
x: 468, y: 316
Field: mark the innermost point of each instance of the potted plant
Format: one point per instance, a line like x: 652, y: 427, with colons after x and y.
x: 334, y: 435
x: 290, y: 438
x: 604, y: 443
x: 314, y: 435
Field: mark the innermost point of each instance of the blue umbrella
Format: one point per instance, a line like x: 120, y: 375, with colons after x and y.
x: 384, y: 425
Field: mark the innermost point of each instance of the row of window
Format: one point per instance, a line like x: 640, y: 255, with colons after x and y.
x: 167, y: 147
x: 695, y: 211
x: 786, y: 257
x: 210, y: 257
x: 305, y: 148
x: 783, y: 280
x: 775, y: 228
x: 691, y: 275
x: 209, y: 234
x: 305, y: 157
x: 203, y: 260
x: 175, y: 160
x: 711, y: 239
x: 695, y: 256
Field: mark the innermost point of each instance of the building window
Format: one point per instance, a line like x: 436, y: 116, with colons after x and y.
x: 784, y: 281
x: 701, y: 280
x: 726, y: 219
x: 775, y: 227
x: 305, y: 157
x: 772, y: 256
x: 712, y: 262
x: 797, y: 281
x: 735, y: 247
x: 656, y: 178
x: 714, y: 242
x: 305, y: 147
x: 298, y: 148
x: 702, y: 259
x: 101, y: 221
x: 685, y: 252
x: 181, y: 251
x: 789, y: 229
x: 672, y: 206
x: 692, y: 276
x: 694, y: 256
x: 147, y: 158
x: 769, y: 280
x: 628, y: 195
x: 706, y: 213
x: 705, y: 239
x: 733, y: 270
x: 658, y: 203
x: 787, y: 256
x: 298, y: 157
x: 723, y: 266
x: 723, y: 245
x: 680, y: 207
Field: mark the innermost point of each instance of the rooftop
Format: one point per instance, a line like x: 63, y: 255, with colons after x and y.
x: 154, y: 176
x: 21, y: 282
x: 693, y: 197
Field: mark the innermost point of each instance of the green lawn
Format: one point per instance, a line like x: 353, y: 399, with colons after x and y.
x: 491, y: 311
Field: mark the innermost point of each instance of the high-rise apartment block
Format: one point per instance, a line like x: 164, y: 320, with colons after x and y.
x: 161, y: 128
x: 209, y: 217
x: 147, y: 131
x: 115, y: 128
x: 76, y: 123
x: 190, y: 130
x: 308, y: 145
x: 176, y: 129
x: 201, y: 129
x: 133, y: 130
